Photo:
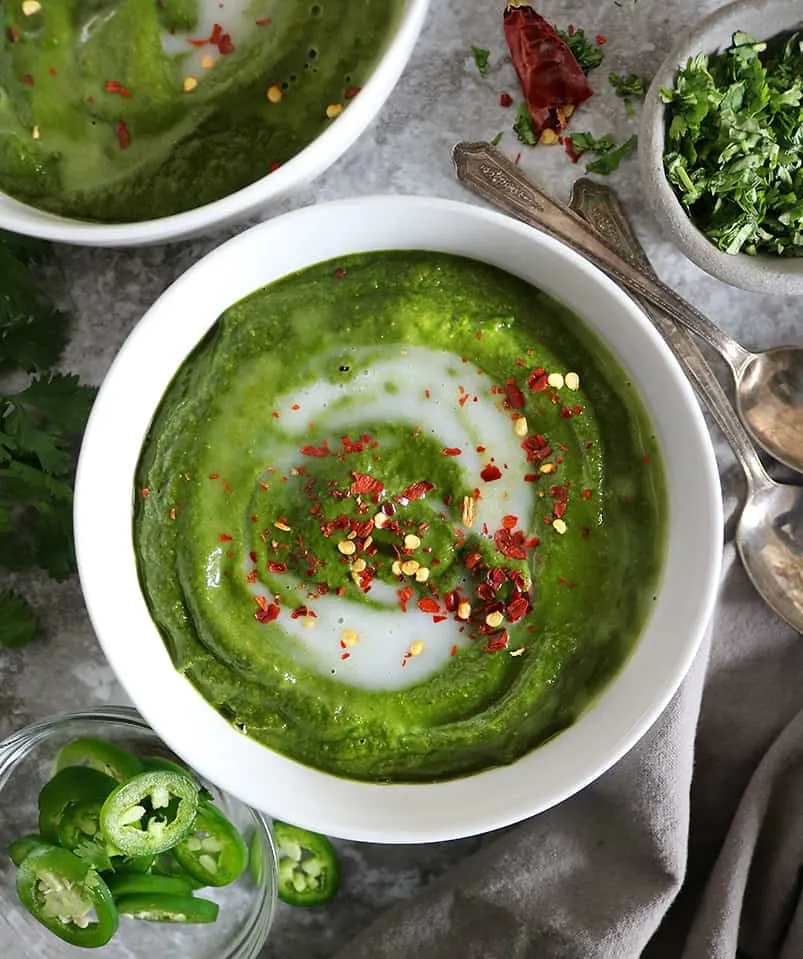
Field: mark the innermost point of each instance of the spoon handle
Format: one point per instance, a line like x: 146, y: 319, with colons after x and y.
x: 601, y: 208
x: 492, y: 176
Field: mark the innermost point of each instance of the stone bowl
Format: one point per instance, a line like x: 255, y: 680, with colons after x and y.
x: 760, y: 274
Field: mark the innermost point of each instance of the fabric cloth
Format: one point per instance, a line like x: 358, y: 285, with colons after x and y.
x: 691, y: 847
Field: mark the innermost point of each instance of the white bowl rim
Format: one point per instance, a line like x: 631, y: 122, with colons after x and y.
x: 297, y: 172
x: 194, y: 730
x: 758, y: 274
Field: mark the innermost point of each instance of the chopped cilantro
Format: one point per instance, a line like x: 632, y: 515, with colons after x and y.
x: 496, y: 140
x: 17, y: 620
x: 523, y: 126
x: 609, y: 156
x: 481, y: 57
x: 587, y: 53
x: 734, y: 144
x: 628, y: 88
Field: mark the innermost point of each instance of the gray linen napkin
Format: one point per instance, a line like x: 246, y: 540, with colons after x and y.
x: 713, y: 816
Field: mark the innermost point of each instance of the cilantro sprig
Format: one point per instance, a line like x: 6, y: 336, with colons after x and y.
x: 586, y: 52
x: 481, y: 58
x: 734, y: 145
x: 608, y: 155
x: 628, y: 88
x: 41, y: 425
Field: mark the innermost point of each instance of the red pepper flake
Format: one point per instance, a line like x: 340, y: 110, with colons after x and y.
x: 13, y: 34
x: 274, y: 166
x: 322, y: 450
x: 646, y: 459
x: 439, y: 619
x: 113, y: 86
x: 252, y: 576
x: 340, y: 273
x: 517, y: 159
x: 537, y: 380
x: 505, y: 100
x: 514, y: 398
x: 28, y: 79
x: 405, y: 595
x: 214, y: 476
x: 565, y: 412
x: 277, y: 567
x: 53, y: 72
x: 532, y: 477
x: 417, y: 490
x: 145, y: 492
x: 225, y: 46
x: 509, y: 521
x: 454, y: 651
x: 463, y: 400
x: 225, y: 538
x: 295, y: 407
x: 427, y: 605
x: 568, y: 146
x: 577, y: 410
x: 173, y: 513
x: 267, y: 615
x: 263, y: 21
x: 490, y: 473
x: 517, y: 608
x: 536, y: 448
x: 451, y: 601
x: 451, y: 451
x: 480, y: 449
x: 510, y: 544
x: 252, y: 556
x: 351, y: 92
x: 123, y: 136
x: 585, y: 532
x: 600, y: 39
x: 472, y: 559
x: 300, y: 611
x: 559, y: 510
x: 586, y: 494
x: 498, y: 642
x: 365, y: 484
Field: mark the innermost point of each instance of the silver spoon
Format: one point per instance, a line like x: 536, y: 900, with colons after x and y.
x: 769, y: 385
x: 769, y: 535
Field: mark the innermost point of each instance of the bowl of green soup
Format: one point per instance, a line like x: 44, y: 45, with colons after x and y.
x: 397, y: 519
x: 128, y: 122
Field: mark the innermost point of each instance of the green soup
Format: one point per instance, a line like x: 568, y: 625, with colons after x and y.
x: 126, y: 110
x: 400, y: 517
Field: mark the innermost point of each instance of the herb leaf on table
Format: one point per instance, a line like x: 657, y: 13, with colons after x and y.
x: 587, y: 53
x: 18, y: 625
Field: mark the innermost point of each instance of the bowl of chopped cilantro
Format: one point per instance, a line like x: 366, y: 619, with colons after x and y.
x: 721, y: 145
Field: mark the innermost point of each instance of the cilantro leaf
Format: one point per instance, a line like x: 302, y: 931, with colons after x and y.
x: 628, y: 88
x: 481, y: 57
x: 588, y: 143
x: 93, y: 854
x: 523, y: 126
x: 609, y: 161
x: 589, y: 55
x: 497, y: 139
x: 18, y: 625
x: 734, y: 144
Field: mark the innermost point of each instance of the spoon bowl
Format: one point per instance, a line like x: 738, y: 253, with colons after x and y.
x: 769, y: 396
x: 770, y: 542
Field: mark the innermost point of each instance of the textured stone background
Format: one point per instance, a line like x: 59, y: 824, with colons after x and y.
x: 440, y: 100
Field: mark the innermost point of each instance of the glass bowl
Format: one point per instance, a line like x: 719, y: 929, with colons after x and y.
x: 247, y: 906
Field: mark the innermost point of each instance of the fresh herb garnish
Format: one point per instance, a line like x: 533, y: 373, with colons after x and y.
x: 609, y: 156
x: 734, y: 146
x: 496, y: 140
x: 523, y: 126
x: 628, y: 88
x: 481, y: 57
x: 41, y: 424
x: 587, y: 53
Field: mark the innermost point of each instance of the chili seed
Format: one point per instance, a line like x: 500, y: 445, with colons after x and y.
x: 410, y: 568
x: 416, y: 647
x: 517, y: 652
x: 190, y: 84
x: 396, y: 568
x: 31, y: 7
x: 334, y: 110
x: 346, y: 547
x: 308, y: 622
x: 207, y: 63
x: 35, y: 133
x: 559, y: 526
x: 422, y: 574
x: 349, y: 637
x: 548, y: 468
x: 549, y: 137
x: 380, y: 520
x: 411, y: 541
x: 280, y: 524
x: 464, y: 610
x: 358, y: 565
x: 274, y: 93
x: 555, y: 380
x: 469, y: 511
x: 572, y: 381
x: 520, y: 426
x: 494, y: 619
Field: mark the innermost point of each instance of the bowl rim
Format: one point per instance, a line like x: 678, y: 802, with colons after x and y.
x: 453, y: 810
x: 297, y: 172
x: 758, y: 274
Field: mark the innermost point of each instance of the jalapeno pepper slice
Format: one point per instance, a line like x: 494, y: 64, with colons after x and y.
x: 150, y: 813
x: 214, y: 852
x: 132, y: 864
x: 79, y: 831
x: 61, y: 892
x: 106, y: 757
x: 74, y: 784
x: 25, y: 845
x: 308, y: 870
x: 168, y: 908
x: 163, y: 763
x: 148, y: 886
x: 166, y: 865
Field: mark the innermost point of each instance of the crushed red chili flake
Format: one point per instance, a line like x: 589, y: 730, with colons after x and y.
x: 499, y: 641
x: 427, y: 605
x: 13, y: 34
x: 267, y: 615
x: 252, y: 576
x: 225, y: 46
x: 309, y: 450
x: 536, y: 448
x: 277, y: 567
x: 480, y: 449
x: 565, y: 412
x: 646, y: 459
x: 295, y: 407
x: 417, y: 490
x: 490, y: 473
x: 340, y: 273
x: 537, y: 380
x: 454, y: 651
x: 471, y: 560
x: 439, y: 619
x: 451, y: 601
x: 505, y: 100
x: 509, y: 521
x: 510, y: 545
x: 351, y: 92
x: 514, y: 398
x: 517, y: 608
x: 113, y: 86
x: 145, y: 492
x: 123, y: 136
x: 366, y: 485
x: 532, y: 477
x: 53, y: 72
x: 405, y: 595
x: 28, y: 79
x: 586, y: 494
x: 274, y: 166
x: 600, y: 39
x: 225, y: 538
x: 300, y: 611
x: 577, y: 410
x: 559, y: 510
x: 451, y: 451
x: 263, y: 21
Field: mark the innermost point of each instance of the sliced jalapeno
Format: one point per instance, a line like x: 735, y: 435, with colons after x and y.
x: 132, y: 864
x: 106, y: 757
x: 308, y: 870
x: 150, y: 813
x: 25, y: 845
x: 62, y: 892
x: 214, y: 852
x: 167, y: 765
x: 168, y: 908
x: 148, y: 886
x: 73, y: 784
x: 79, y: 831
x: 166, y: 865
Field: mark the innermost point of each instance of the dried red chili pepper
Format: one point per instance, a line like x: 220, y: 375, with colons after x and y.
x: 548, y: 71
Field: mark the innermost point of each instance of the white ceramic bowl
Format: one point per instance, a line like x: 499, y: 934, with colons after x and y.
x: 761, y: 274
x: 297, y: 172
x: 264, y: 779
